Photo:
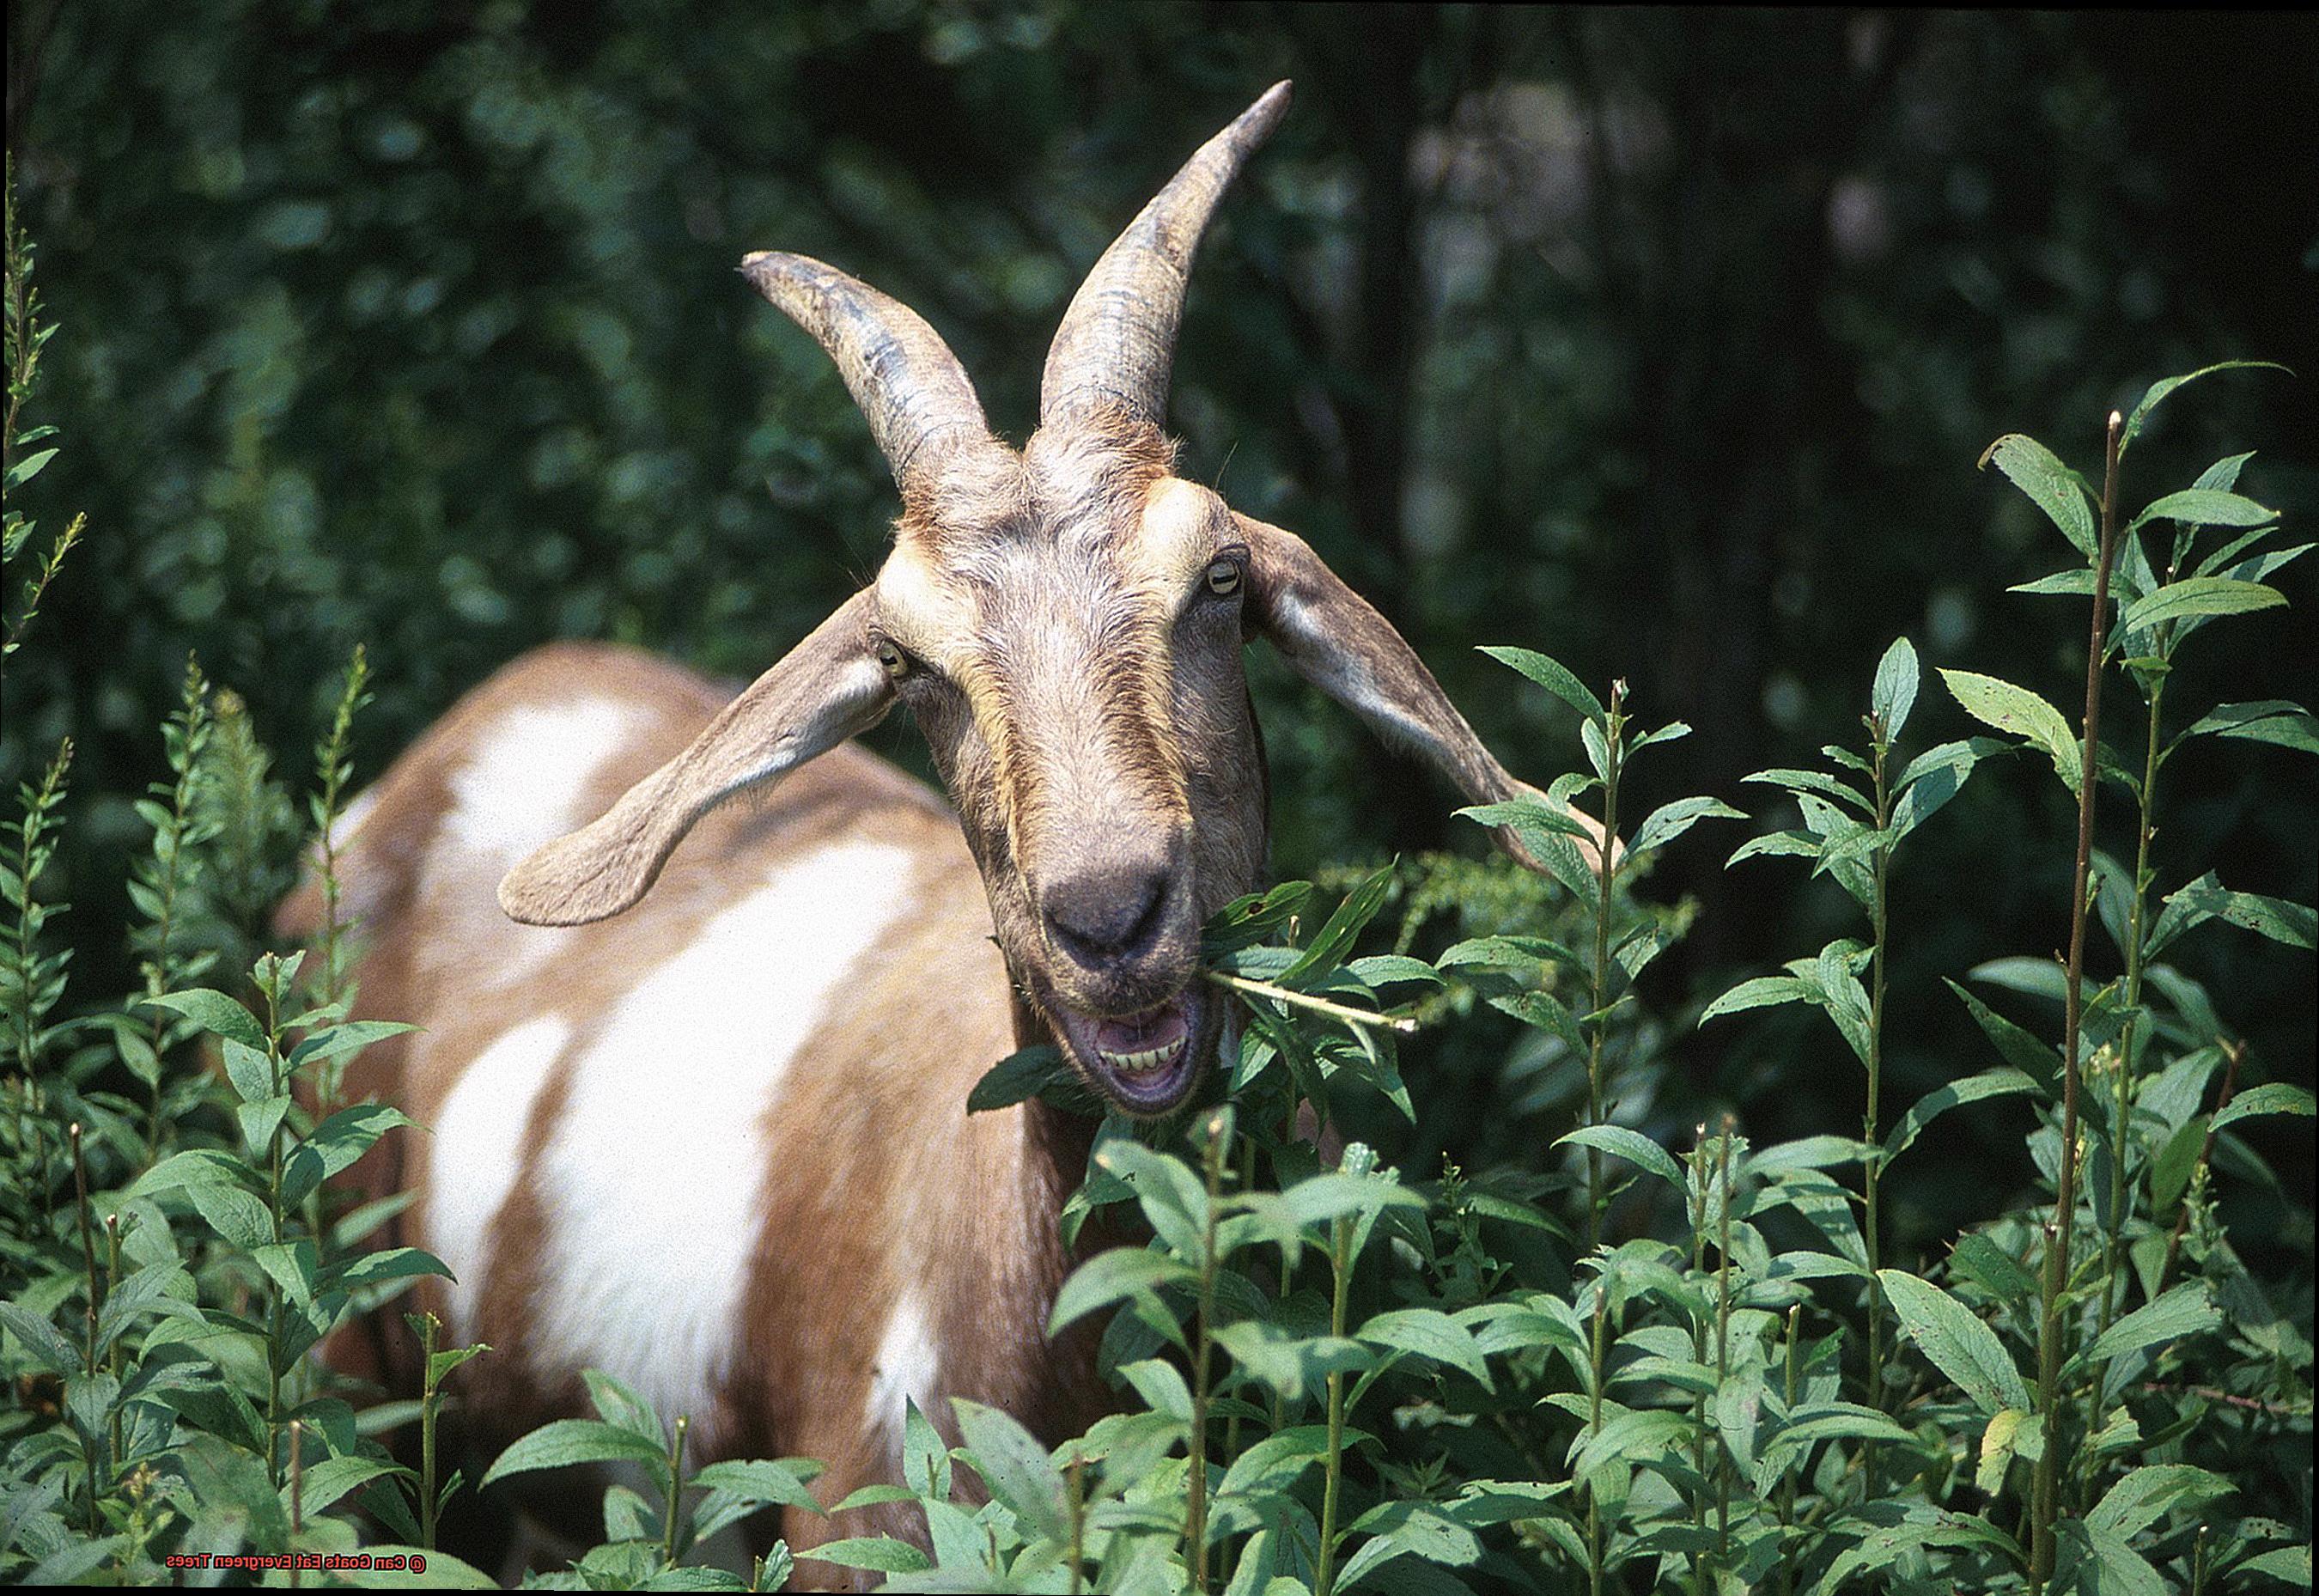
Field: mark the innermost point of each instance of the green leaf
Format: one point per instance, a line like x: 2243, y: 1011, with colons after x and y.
x: 2033, y: 1058
x: 1015, y: 1468
x: 1956, y: 1341
x: 2148, y: 1493
x: 2159, y: 390
x: 235, y: 1491
x: 250, y: 1072
x: 2195, y: 595
x: 1161, y: 1386
x: 1173, y: 1200
x: 2271, y: 1097
x: 343, y: 1138
x: 926, y: 1455
x: 1290, y: 1365
x: 1669, y: 821
x: 1776, y: 844
x: 1109, y: 1277
x: 1818, y: 782
x: 1640, y: 1435
x: 1429, y: 1333
x: 2205, y: 507
x: 567, y: 1441
x: 2170, y: 1170
x: 23, y: 471
x: 1277, y: 1461
x: 395, y: 1263
x: 2017, y: 709
x: 1895, y: 692
x: 1760, y: 992
x: 1507, y: 952
x: 1935, y: 777
x: 2051, y: 485
x: 1972, y: 1088
x: 2288, y: 1564
x: 2071, y: 583
x: 1632, y: 1146
x: 233, y: 1214
x: 192, y: 1167
x: 2208, y: 898
x: 328, y: 1479
x: 2272, y: 720
x: 1554, y: 678
x: 1992, y: 1268
x: 757, y: 1480
x: 1385, y: 969
x: 1019, y: 1076
x: 216, y: 1014
x: 1414, y: 1528
x: 1324, y: 1197
x: 1527, y: 812
x: 2094, y: 1562
x: 41, y: 1339
x: 1547, y: 1012
x: 1998, y: 1444
x: 880, y: 1554
x: 2185, y: 1311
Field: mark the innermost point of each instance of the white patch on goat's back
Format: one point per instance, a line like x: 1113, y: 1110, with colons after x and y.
x: 522, y: 788
x: 909, y: 1364
x: 477, y: 1149
x: 654, y: 1171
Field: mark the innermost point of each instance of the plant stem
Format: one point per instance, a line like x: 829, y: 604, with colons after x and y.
x: 1319, y: 1005
x: 1723, y: 1335
x: 2113, y: 1272
x: 1871, y: 1157
x: 1787, y: 1482
x: 1594, y: 1428
x: 1196, y: 1518
x: 87, y: 1247
x: 1340, y: 1268
x: 1075, y: 1499
x: 272, y: 993
x: 2047, y: 1495
x: 1606, y: 873
x: 429, y: 1407
x: 297, y: 1496
x: 675, y: 1491
x: 95, y: 1303
x: 1699, y: 1183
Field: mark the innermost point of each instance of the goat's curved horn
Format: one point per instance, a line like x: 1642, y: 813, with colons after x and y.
x: 1118, y: 339
x: 920, y: 405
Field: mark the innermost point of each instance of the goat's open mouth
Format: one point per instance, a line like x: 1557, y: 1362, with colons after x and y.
x: 1146, y: 1062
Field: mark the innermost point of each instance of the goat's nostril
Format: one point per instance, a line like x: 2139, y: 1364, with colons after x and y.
x: 1106, y: 915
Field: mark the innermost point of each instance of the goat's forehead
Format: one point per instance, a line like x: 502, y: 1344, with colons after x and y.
x: 937, y: 594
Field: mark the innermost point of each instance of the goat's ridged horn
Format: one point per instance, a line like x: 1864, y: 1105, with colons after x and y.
x: 920, y: 405
x: 1118, y: 339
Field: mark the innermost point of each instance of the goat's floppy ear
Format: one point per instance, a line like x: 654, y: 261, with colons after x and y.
x: 827, y: 688
x: 1337, y: 641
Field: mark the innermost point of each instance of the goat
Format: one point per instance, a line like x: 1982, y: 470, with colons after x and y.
x: 717, y: 1145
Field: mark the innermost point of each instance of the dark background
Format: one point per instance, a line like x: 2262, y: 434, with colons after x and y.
x: 1665, y: 341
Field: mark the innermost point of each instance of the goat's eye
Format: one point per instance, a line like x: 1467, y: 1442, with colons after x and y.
x: 896, y: 663
x: 1223, y: 577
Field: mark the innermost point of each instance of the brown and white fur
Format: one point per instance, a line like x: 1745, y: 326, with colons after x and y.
x: 714, y: 1141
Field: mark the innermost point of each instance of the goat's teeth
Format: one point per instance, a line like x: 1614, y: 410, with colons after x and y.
x: 1141, y: 1063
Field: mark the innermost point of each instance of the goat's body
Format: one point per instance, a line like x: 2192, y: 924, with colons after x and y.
x: 718, y: 1147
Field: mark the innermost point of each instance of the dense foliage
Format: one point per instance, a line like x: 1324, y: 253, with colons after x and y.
x: 1566, y: 331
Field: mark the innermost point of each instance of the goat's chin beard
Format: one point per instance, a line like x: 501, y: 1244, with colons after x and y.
x: 1144, y: 1063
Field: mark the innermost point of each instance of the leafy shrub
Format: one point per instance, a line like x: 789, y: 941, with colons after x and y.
x: 1622, y: 1366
